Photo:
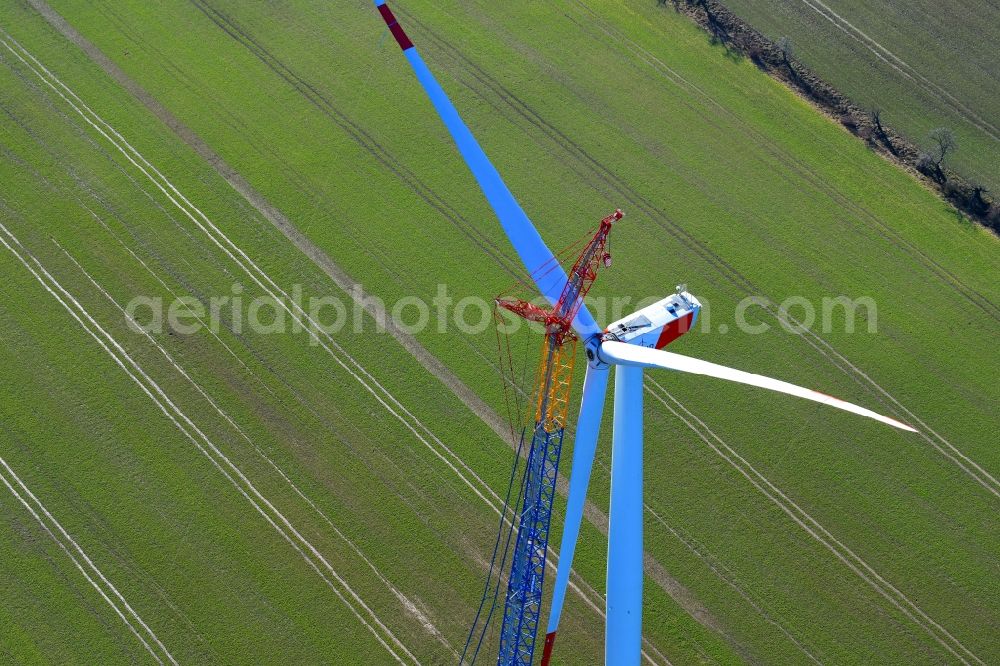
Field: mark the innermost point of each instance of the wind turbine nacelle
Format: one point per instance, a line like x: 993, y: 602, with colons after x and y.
x: 659, y: 324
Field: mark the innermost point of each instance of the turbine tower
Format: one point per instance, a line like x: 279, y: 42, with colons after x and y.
x: 630, y: 345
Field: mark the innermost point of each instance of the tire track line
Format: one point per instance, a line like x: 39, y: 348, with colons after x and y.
x: 407, y: 604
x: 813, y: 528
x: 903, y: 68
x: 83, y: 555
x: 729, y: 578
x: 204, y: 325
x: 205, y: 445
x: 361, y: 137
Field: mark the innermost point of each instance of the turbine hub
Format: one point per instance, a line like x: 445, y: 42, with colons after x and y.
x: 592, y: 348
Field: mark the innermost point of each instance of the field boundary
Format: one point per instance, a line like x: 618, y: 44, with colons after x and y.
x: 737, y: 35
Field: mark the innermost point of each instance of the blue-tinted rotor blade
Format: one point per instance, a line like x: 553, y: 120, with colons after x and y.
x: 546, y: 272
x: 588, y: 427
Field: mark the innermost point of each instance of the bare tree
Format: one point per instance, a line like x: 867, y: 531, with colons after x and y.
x: 978, y: 203
x: 876, y: 116
x: 785, y: 46
x: 944, y: 143
x: 931, y: 161
x: 880, y: 131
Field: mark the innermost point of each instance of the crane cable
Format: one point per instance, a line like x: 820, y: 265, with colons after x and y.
x: 514, y: 415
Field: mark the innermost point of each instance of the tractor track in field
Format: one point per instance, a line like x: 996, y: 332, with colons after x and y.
x: 360, y: 136
x: 54, y: 529
x: 590, y: 596
x: 802, y: 169
x: 812, y: 527
x: 100, y: 529
x: 903, y: 68
x: 204, y: 445
x: 724, y: 268
x: 407, y: 604
x: 727, y: 576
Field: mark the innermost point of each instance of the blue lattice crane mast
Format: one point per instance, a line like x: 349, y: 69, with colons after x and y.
x: 523, y: 600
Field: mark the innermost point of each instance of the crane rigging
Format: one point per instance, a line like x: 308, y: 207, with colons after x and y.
x: 523, y: 600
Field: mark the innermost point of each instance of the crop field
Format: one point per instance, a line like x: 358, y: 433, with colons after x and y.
x: 925, y: 64
x: 305, y: 495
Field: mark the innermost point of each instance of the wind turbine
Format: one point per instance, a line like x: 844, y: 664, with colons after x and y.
x: 630, y: 345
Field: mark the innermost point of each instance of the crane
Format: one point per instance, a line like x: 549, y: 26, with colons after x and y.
x: 523, y: 599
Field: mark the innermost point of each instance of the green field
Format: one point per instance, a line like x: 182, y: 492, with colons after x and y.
x: 925, y: 64
x: 264, y: 498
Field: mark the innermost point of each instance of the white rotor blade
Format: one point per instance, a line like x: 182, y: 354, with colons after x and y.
x: 625, y: 354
